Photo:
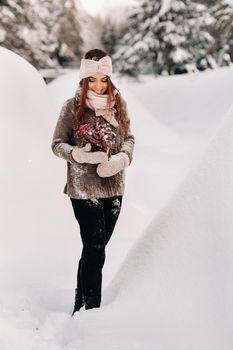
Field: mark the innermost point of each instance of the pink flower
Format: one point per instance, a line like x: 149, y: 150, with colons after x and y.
x: 83, y: 129
x: 100, y: 136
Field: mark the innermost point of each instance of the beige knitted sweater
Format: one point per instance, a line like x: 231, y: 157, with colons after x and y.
x: 83, y: 182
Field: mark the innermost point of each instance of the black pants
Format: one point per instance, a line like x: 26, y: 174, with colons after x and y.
x: 97, y: 219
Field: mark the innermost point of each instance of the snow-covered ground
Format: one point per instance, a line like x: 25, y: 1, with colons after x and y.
x: 167, y: 277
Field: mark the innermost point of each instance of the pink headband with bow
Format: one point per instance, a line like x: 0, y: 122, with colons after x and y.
x: 91, y: 67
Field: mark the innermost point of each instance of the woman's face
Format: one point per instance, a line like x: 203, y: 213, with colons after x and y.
x: 98, y: 83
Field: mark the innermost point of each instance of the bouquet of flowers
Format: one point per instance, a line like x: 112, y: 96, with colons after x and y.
x: 100, y: 136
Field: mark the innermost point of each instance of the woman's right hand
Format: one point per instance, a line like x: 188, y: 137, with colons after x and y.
x: 84, y: 155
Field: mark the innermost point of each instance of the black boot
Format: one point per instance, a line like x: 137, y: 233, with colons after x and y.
x: 92, y: 302
x: 79, y: 302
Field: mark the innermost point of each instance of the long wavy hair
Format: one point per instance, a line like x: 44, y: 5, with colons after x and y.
x: 80, y: 100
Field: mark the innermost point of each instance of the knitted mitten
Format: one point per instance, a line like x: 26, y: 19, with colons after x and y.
x: 116, y: 163
x: 83, y: 155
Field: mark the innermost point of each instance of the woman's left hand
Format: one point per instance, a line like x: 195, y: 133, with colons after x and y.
x: 116, y: 163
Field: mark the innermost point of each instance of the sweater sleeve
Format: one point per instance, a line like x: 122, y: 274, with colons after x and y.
x: 61, y: 146
x: 129, y: 141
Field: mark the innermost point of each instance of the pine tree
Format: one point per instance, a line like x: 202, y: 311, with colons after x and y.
x: 45, y: 33
x: 109, y: 37
x: 223, y: 32
x: 166, y: 37
x: 111, y: 33
x: 69, y: 38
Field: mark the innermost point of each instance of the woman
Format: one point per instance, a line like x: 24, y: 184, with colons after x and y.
x: 93, y: 135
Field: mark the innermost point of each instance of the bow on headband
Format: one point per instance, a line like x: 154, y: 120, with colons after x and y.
x: 91, y: 67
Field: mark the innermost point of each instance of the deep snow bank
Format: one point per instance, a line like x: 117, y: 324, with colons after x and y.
x: 189, y: 104
x: 179, y: 274
x: 31, y: 220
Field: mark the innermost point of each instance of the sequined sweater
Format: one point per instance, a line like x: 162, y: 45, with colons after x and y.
x: 83, y: 182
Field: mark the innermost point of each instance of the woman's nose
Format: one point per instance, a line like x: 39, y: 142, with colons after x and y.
x: 98, y: 84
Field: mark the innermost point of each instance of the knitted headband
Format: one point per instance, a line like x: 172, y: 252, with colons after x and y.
x: 91, y: 67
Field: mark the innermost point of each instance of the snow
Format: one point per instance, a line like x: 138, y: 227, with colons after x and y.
x: 174, y: 39
x: 165, y: 6
x: 168, y: 272
x: 180, y: 55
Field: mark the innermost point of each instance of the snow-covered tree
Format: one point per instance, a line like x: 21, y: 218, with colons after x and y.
x: 69, y: 38
x: 91, y: 28
x: 114, y: 24
x: 45, y: 33
x: 223, y: 32
x: 111, y: 33
x: 166, y: 37
x: 109, y: 37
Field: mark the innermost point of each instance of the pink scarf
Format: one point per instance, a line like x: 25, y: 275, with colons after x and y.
x: 98, y: 103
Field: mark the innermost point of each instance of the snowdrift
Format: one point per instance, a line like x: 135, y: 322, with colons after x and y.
x: 31, y: 220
